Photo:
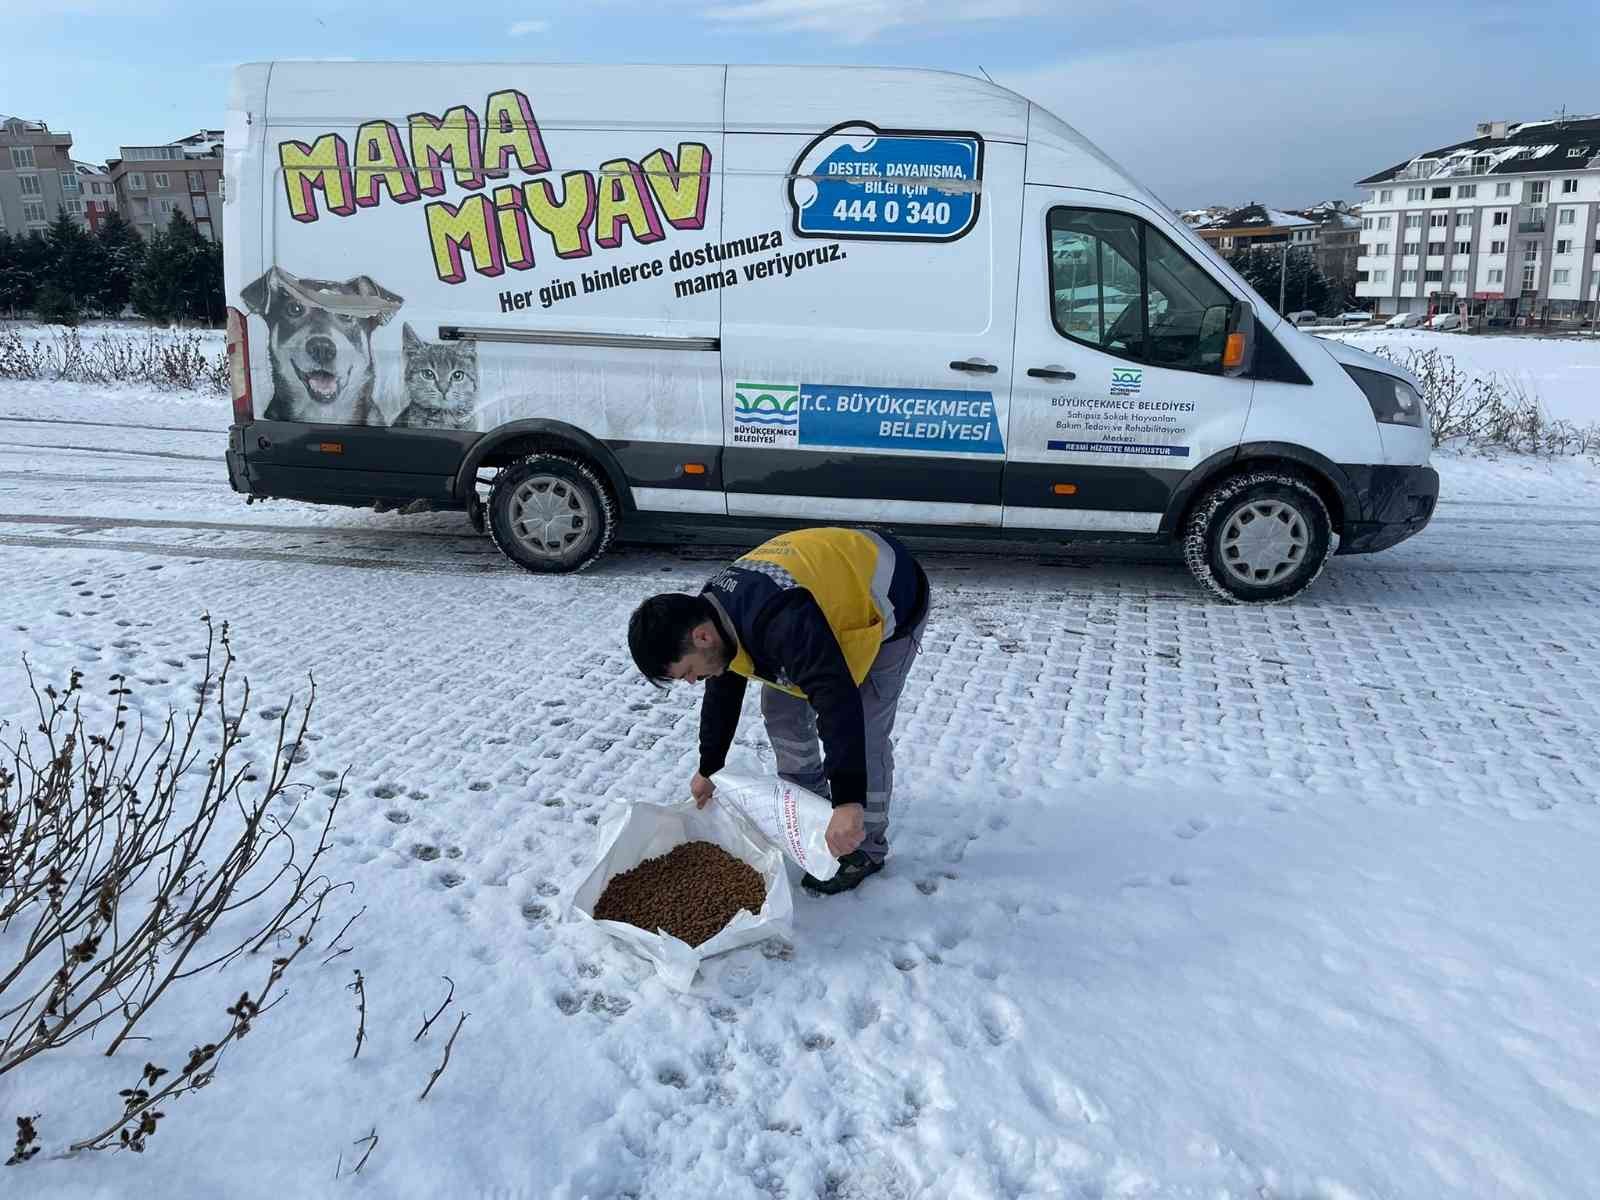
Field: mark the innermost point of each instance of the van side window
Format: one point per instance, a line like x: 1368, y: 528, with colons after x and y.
x: 1123, y: 287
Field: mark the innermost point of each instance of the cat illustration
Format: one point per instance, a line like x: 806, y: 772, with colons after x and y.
x: 441, y: 383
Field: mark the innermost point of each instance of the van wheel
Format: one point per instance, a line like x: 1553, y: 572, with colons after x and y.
x: 551, y: 514
x: 1258, y: 538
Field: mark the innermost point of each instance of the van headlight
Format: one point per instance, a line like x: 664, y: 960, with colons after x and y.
x: 1393, y: 400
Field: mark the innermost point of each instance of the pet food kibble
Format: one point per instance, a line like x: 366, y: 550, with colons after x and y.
x: 692, y: 892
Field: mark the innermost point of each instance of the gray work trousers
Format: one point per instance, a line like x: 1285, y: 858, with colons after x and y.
x: 792, y: 730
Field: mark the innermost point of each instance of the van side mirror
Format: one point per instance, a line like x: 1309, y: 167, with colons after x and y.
x: 1239, y: 351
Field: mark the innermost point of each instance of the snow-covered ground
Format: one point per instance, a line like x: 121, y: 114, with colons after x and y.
x: 1186, y: 900
x: 1562, y: 373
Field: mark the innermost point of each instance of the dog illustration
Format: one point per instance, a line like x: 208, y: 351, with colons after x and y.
x: 319, y: 341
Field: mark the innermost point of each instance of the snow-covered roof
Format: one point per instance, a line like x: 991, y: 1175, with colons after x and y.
x: 1258, y: 214
x: 1554, y: 145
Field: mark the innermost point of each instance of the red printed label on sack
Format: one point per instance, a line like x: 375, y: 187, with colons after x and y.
x: 791, y: 827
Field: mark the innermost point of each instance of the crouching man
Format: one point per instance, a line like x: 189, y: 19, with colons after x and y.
x: 829, y: 621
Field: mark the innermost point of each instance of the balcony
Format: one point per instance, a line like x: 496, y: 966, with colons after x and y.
x: 1531, y: 220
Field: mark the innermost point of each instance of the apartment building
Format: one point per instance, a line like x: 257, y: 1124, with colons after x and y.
x: 96, y: 193
x: 1257, y: 225
x: 1502, y: 227
x: 37, y: 176
x: 153, y: 182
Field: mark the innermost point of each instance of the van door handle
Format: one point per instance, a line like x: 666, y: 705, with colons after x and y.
x: 976, y: 366
x: 1051, y: 373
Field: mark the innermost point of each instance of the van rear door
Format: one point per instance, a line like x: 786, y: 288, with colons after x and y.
x: 1118, y: 389
x: 866, y: 342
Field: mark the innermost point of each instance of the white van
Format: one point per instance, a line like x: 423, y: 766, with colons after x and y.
x: 582, y: 301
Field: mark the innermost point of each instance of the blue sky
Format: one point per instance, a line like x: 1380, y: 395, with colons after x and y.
x: 1216, y: 101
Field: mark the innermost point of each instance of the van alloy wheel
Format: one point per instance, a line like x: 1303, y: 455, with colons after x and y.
x: 549, y: 516
x: 551, y: 513
x: 1259, y: 537
x: 1263, y: 541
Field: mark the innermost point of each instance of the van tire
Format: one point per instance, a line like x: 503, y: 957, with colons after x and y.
x: 1294, y: 557
x: 566, y: 494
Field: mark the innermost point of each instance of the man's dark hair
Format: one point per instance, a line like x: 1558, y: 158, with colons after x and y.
x: 659, y: 632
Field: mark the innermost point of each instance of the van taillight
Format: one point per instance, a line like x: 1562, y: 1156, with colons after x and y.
x: 239, y: 366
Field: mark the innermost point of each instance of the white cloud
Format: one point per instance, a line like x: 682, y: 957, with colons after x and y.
x: 524, y: 28
x: 858, y: 21
x: 1286, y: 121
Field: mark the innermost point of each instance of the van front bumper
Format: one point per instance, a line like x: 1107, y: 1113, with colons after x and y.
x: 1396, y: 502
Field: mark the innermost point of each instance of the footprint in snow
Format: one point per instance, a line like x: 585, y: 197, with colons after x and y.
x: 1192, y: 828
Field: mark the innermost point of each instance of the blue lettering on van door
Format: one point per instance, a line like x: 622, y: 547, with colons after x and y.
x: 859, y: 181
x: 934, y: 420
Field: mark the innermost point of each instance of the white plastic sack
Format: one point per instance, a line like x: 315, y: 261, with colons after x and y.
x: 789, y: 816
x: 631, y: 833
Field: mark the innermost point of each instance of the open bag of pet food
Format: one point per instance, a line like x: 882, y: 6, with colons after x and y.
x: 681, y: 884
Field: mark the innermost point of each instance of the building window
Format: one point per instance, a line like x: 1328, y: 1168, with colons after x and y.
x: 1536, y: 191
x: 1416, y: 194
x: 1438, y: 220
x: 1564, y: 246
x: 1463, y: 247
x: 33, y: 214
x: 1480, y: 164
x: 1414, y: 221
x: 1408, y: 276
x: 1380, y: 277
x: 1386, y: 196
x: 1435, y: 248
x: 1433, y: 277
x: 1501, y: 217
x: 1467, y: 191
x: 29, y: 185
x: 1569, y: 187
x: 1385, y: 222
x: 1366, y: 222
x: 1497, y: 276
x: 1567, y: 216
x: 21, y: 158
x: 167, y: 206
x: 202, y: 207
x: 1412, y: 248
x: 1497, y: 247
x: 69, y: 183
x: 197, y: 181
x: 136, y: 181
x: 1382, y: 248
x: 1463, y: 220
x: 1458, y: 276
x: 163, y: 182
x: 1441, y: 193
x: 75, y: 207
x: 1530, y: 252
x: 1561, y: 277
x: 1530, y: 277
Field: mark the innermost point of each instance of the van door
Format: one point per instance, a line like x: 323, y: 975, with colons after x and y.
x: 867, y: 323
x: 1118, y: 388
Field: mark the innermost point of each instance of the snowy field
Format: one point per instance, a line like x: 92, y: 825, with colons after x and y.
x: 1562, y: 373
x: 1185, y: 900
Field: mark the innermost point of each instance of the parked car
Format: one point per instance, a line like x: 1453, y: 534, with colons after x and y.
x: 1304, y: 317
x: 1405, y: 320
x: 1444, y: 321
x: 766, y: 297
x: 1354, y: 318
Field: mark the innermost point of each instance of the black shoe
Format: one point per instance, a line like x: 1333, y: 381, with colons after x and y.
x: 853, y: 868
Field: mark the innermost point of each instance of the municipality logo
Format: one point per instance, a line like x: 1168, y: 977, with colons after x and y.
x: 766, y: 412
x: 1127, y: 381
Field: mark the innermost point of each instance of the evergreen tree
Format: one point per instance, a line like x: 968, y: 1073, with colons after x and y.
x: 9, y: 274
x: 76, y: 266
x: 1305, y: 288
x: 25, y: 267
x: 181, y: 276
x: 123, y: 251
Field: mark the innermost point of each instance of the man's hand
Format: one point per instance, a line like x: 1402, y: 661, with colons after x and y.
x: 847, y: 828
x: 701, y: 788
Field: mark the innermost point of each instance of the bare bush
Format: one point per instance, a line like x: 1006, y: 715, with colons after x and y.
x: 122, y: 849
x: 1488, y: 410
x: 172, y: 360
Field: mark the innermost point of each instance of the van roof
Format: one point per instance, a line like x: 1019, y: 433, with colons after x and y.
x: 735, y: 99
